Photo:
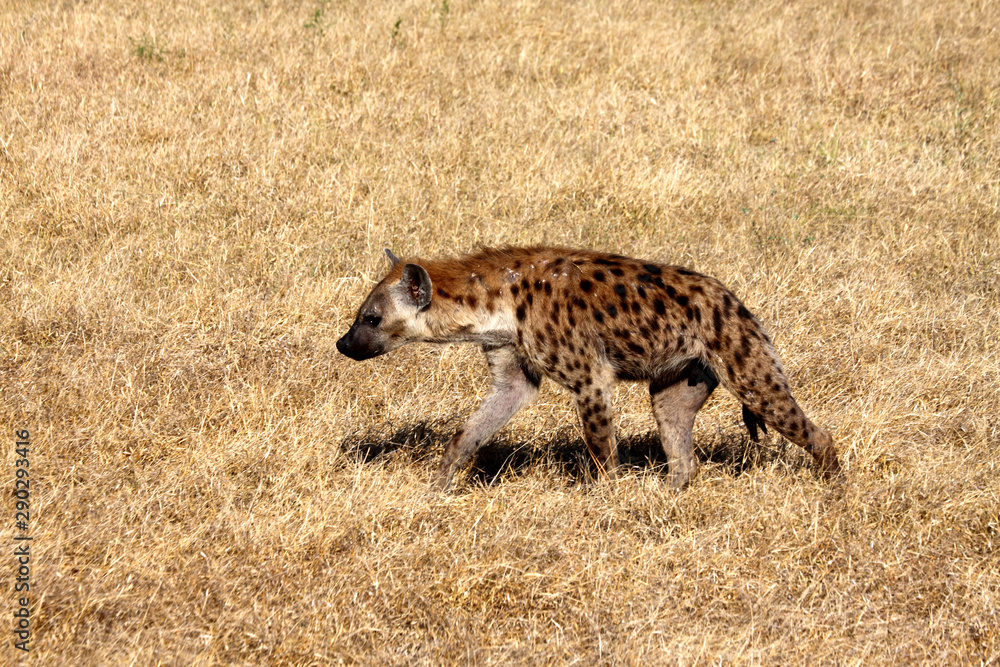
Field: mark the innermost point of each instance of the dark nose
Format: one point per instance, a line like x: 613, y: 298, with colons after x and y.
x: 349, y: 346
x: 344, y: 344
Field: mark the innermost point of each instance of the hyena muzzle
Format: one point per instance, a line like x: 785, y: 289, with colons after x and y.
x: 587, y: 320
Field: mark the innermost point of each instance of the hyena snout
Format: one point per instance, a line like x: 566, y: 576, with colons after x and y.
x: 359, y: 344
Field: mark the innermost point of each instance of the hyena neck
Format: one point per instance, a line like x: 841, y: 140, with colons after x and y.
x: 468, y: 305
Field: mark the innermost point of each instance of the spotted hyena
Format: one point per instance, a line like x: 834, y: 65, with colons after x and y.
x: 586, y: 320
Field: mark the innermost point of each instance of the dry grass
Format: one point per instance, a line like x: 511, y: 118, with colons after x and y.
x: 193, y: 200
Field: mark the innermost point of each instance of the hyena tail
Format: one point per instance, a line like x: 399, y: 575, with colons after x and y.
x: 752, y: 421
x: 752, y: 371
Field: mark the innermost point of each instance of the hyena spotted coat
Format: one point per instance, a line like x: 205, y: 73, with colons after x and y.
x: 586, y: 320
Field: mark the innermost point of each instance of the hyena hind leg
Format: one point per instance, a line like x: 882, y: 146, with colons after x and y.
x: 593, y: 405
x: 674, y: 407
x: 514, y: 386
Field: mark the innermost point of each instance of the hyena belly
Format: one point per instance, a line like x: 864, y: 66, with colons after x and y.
x: 587, y: 320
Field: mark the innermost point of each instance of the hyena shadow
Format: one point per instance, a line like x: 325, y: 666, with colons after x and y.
x: 505, y: 457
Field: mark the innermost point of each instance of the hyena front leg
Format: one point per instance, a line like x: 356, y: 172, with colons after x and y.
x: 593, y: 404
x: 515, y: 385
x: 675, y: 404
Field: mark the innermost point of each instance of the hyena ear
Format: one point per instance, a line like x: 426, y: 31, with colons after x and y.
x: 417, y: 285
x: 393, y: 260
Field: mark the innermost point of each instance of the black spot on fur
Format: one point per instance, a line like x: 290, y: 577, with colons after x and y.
x: 700, y: 372
x: 618, y: 273
x: 685, y: 272
x: 514, y: 290
x: 641, y: 291
x: 621, y: 333
x: 572, y: 321
x: 599, y: 276
x: 524, y: 284
x: 473, y: 301
x: 728, y: 301
x: 660, y: 307
x: 638, y: 349
x: 635, y: 307
x: 671, y: 292
x: 586, y: 285
x: 520, y: 313
x: 580, y: 303
x: 681, y: 300
x: 538, y: 285
x: 443, y: 294
x: 643, y: 332
x: 659, y: 282
x: 599, y: 316
x: 738, y: 358
x: 652, y: 268
x: 548, y: 288
x: 644, y: 278
x: 743, y: 313
x: 530, y: 297
x: 689, y: 313
x: 620, y: 290
x: 612, y: 311
x: 717, y: 321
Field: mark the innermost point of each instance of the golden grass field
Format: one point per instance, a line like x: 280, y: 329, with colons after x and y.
x: 194, y: 199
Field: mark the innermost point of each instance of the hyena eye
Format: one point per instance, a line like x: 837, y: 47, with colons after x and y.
x: 372, y: 320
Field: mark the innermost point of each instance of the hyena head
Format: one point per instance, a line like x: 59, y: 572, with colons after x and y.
x: 390, y: 316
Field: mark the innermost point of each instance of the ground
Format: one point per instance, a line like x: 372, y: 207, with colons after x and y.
x: 194, y: 198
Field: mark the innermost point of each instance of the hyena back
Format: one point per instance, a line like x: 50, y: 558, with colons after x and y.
x: 587, y: 320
